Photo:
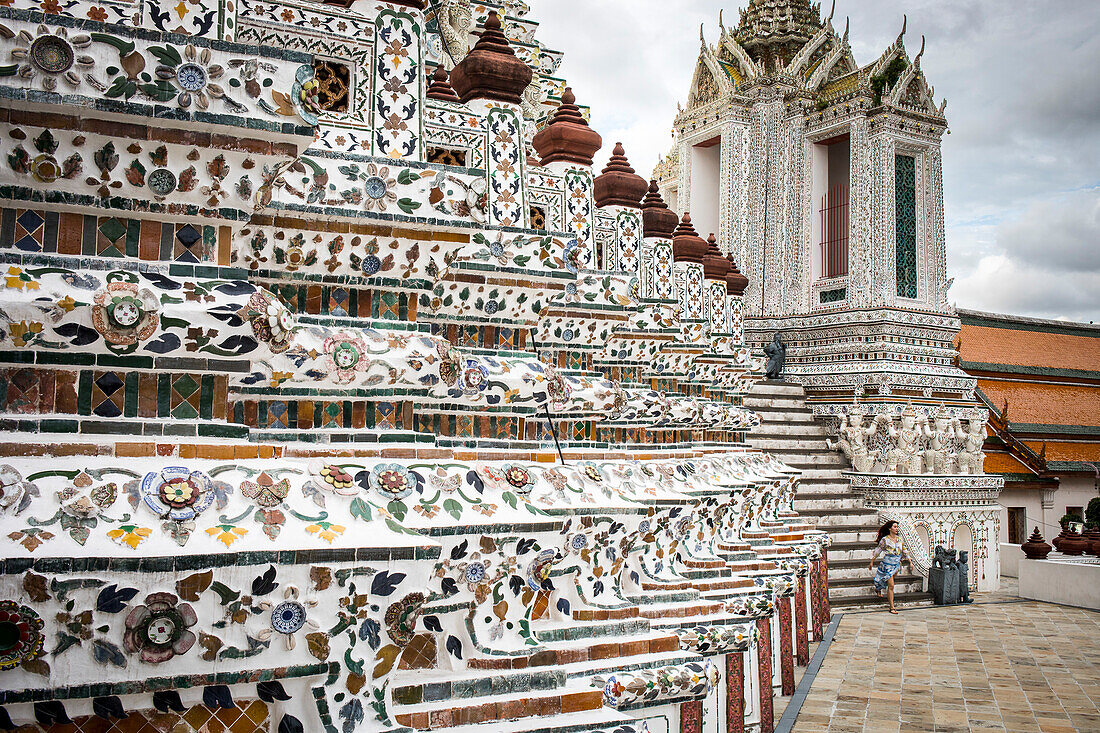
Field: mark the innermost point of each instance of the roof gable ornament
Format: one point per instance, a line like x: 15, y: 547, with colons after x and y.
x: 841, y: 52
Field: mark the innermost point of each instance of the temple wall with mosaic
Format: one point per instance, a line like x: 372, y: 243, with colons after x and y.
x: 339, y: 392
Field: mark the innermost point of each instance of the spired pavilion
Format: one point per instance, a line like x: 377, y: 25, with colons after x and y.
x: 340, y: 393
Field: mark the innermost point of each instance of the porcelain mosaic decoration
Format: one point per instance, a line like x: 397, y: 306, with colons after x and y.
x: 340, y: 393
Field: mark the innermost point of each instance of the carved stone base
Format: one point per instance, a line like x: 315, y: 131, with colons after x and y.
x: 959, y: 512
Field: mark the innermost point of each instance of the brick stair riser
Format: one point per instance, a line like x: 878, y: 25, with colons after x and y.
x: 782, y: 442
x: 872, y: 602
x: 863, y: 554
x: 777, y: 389
x: 866, y: 536
x: 865, y: 589
x: 803, y: 503
x: 824, y: 521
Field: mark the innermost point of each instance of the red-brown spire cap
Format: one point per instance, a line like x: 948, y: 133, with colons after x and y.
x: 567, y: 137
x: 735, y: 281
x: 440, y: 88
x: 618, y: 184
x: 491, y: 70
x: 657, y: 219
x: 715, y: 265
x: 687, y: 246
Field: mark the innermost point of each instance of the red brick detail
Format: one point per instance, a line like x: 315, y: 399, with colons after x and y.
x: 764, y: 655
x: 786, y: 653
x: 735, y: 693
x: 801, y: 643
x: 691, y: 716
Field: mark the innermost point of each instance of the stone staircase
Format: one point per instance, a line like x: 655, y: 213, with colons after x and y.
x: 789, y: 432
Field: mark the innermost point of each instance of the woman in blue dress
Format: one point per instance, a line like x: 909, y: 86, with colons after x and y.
x: 889, y: 553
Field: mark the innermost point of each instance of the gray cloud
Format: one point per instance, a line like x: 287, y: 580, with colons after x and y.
x: 1024, y: 109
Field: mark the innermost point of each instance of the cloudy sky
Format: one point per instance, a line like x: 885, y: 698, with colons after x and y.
x: 1022, y: 162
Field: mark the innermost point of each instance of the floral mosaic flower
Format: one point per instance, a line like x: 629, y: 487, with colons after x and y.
x: 538, y: 571
x: 193, y: 73
x: 401, y: 618
x: 159, y: 629
x: 271, y: 321
x: 15, y: 493
x: 326, y: 530
x: 557, y: 389
x: 82, y: 500
x: 591, y: 472
x: 124, y: 314
x: 392, y: 480
x: 449, y: 363
x: 265, y: 491
x: 53, y: 54
x: 176, y: 493
x: 474, y: 378
x: 378, y: 187
x: 288, y: 617
x: 346, y: 356
x: 130, y: 535
x: 21, y: 637
x: 330, y: 477
x: 556, y: 478
x: 519, y: 478
x: 443, y: 481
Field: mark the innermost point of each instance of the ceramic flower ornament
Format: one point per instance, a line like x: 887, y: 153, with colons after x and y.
x: 159, y: 629
x: 271, y: 321
x: 124, y: 314
x: 346, y: 357
x: 15, y: 493
x: 177, y: 495
x: 21, y: 634
x: 288, y: 617
x: 53, y: 54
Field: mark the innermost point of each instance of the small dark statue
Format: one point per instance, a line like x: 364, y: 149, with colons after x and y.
x: 776, y: 352
x: 964, y: 577
x: 943, y: 577
x: 948, y: 578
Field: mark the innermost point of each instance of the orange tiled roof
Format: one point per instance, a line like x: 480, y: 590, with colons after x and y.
x: 1064, y: 451
x: 1029, y: 348
x: 1003, y: 463
x: 1047, y: 404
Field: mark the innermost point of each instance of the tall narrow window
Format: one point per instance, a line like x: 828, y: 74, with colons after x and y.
x: 830, y: 181
x: 905, y: 216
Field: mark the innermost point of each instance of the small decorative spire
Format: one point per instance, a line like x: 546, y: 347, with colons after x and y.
x: 618, y: 184
x: 735, y: 281
x: 440, y: 88
x: 687, y: 245
x: 715, y: 265
x: 567, y: 136
x: 657, y: 219
x: 491, y: 70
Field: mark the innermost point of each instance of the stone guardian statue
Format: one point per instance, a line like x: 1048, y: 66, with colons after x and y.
x: 776, y: 352
x: 852, y: 440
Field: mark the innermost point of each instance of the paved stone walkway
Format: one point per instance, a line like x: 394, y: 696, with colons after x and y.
x: 1023, y: 667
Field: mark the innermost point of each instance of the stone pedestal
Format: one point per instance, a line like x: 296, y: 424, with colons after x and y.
x: 958, y: 512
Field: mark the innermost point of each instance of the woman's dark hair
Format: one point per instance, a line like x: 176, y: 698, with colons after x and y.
x: 885, y: 529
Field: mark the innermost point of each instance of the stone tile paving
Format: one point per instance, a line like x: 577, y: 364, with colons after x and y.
x: 1024, y: 667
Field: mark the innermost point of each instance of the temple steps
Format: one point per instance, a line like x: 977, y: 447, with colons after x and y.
x: 789, y: 432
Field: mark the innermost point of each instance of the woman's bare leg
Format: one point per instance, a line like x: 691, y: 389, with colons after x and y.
x: 890, y: 594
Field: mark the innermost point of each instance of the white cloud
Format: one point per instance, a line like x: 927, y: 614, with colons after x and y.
x: 1023, y: 109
